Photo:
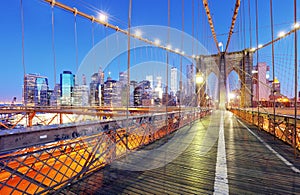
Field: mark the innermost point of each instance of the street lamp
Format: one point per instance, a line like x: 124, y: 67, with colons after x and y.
x: 199, y: 82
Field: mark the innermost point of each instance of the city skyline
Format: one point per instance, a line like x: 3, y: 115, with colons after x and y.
x: 37, y: 33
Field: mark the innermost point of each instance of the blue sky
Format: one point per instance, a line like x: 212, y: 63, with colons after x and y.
x: 38, y: 45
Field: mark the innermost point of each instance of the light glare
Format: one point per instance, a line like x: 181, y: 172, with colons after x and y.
x: 102, y: 17
x: 281, y: 34
x: 157, y: 42
x: 138, y: 33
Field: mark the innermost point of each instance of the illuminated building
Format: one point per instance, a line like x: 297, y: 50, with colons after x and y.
x: 35, y: 90
x: 112, y: 93
x: 67, y: 83
x: 261, y: 87
x: 190, y: 73
x: 142, y: 94
x: 55, y: 96
x: 150, y: 79
x: 96, y: 90
x: 174, y: 87
x: 158, y: 89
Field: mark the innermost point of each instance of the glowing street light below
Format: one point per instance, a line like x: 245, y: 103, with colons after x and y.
x: 103, y: 17
x: 138, y: 33
x: 199, y: 79
x: 260, y: 46
x: 177, y: 50
x: 157, y: 42
x: 296, y: 25
x: 231, y: 95
x: 281, y: 34
x: 169, y: 47
x: 253, y: 49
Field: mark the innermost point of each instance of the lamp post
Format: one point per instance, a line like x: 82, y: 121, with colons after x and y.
x: 199, y: 82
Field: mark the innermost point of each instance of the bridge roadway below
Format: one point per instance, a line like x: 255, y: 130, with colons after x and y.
x: 193, y: 160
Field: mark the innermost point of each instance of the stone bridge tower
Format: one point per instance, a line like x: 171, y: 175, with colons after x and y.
x: 222, y: 64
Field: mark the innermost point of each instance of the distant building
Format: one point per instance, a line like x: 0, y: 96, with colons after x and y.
x: 35, y: 90
x: 174, y: 85
x: 150, y: 79
x: 55, y: 96
x: 96, y: 90
x: 133, y: 85
x: 67, y: 83
x: 158, y: 88
x: 123, y: 76
x: 190, y: 74
x: 261, y: 88
x: 143, y: 94
x: 80, y: 95
x: 112, y: 93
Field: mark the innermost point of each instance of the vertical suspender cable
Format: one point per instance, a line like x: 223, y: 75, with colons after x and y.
x: 75, y: 38
x: 198, y: 23
x: 273, y: 64
x: 250, y: 24
x: 23, y: 50
x: 53, y: 44
x: 193, y: 29
x: 128, y: 69
x: 23, y: 44
x: 296, y: 79
x: 250, y: 45
x: 244, y: 25
x: 167, y: 64
x: 182, y: 36
x: 93, y: 38
x: 256, y: 24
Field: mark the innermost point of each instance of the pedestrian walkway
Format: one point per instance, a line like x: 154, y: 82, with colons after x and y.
x: 193, y: 160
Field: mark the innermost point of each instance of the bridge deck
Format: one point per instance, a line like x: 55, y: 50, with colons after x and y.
x: 251, y: 166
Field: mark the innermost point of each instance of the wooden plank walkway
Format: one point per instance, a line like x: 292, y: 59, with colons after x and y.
x: 251, y: 167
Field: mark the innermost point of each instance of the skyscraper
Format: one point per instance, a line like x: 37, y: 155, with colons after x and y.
x: 123, y: 76
x: 112, y: 93
x: 35, y: 90
x: 150, y: 79
x: 190, y: 73
x: 55, y: 96
x: 158, y: 88
x: 96, y: 88
x: 174, y: 85
x: 67, y: 83
x: 260, y: 83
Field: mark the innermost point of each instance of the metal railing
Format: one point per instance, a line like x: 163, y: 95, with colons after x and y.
x: 282, y: 128
x: 44, y: 168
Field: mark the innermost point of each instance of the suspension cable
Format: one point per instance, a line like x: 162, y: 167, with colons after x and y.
x: 128, y: 70
x: 108, y: 25
x: 23, y: 41
x: 75, y: 38
x: 273, y: 63
x: 296, y: 79
x: 257, y: 56
x: 53, y: 43
x: 235, y: 13
x: 93, y: 37
x: 182, y: 36
x: 250, y: 24
x: 167, y: 64
x: 205, y: 3
x: 193, y: 28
